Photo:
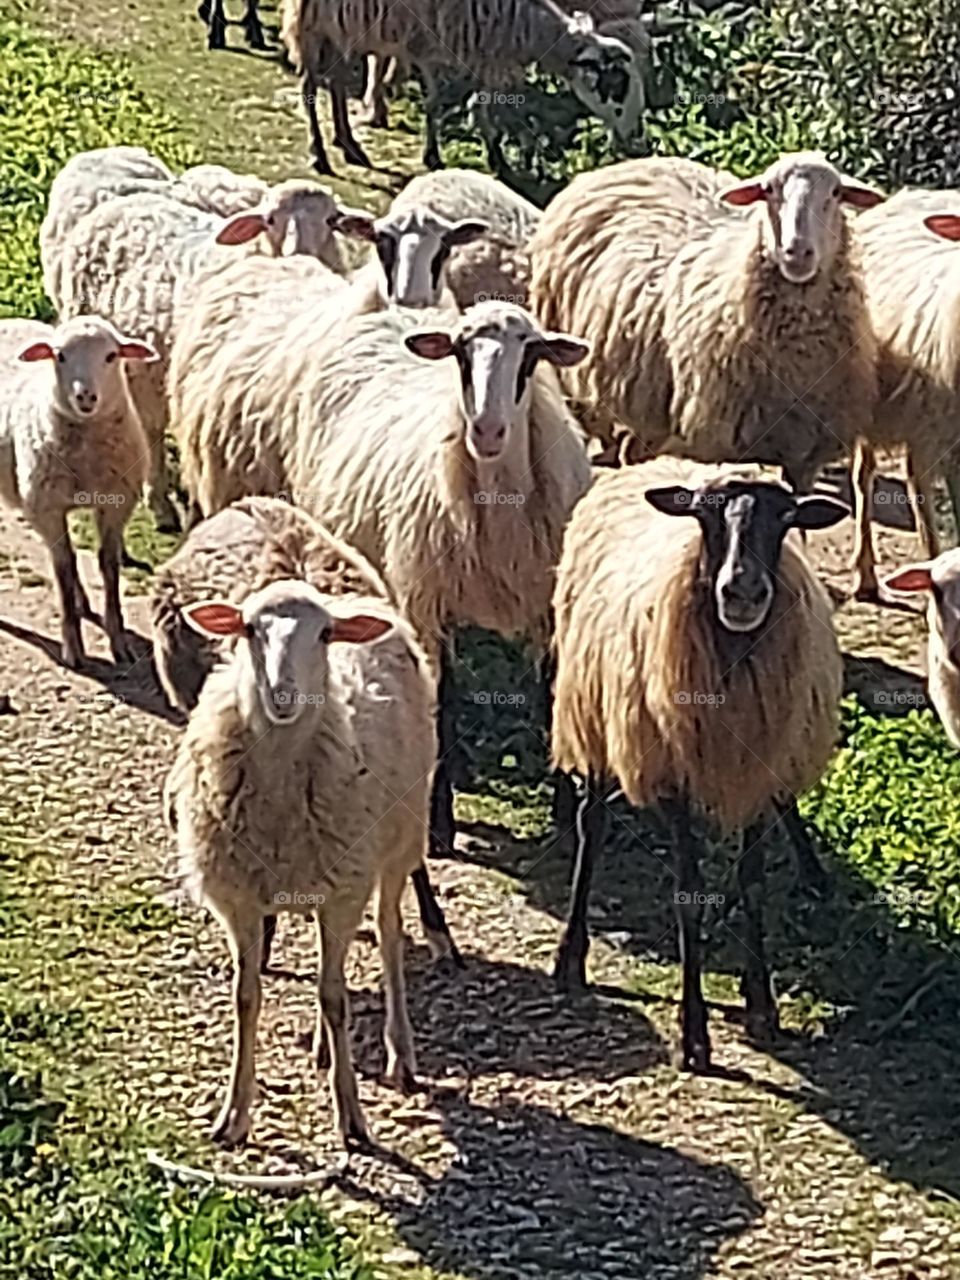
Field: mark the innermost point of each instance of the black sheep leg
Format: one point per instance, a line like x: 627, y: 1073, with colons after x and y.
x: 442, y: 825
x: 570, y: 970
x: 811, y: 870
x: 755, y: 985
x: 688, y: 905
x: 434, y: 921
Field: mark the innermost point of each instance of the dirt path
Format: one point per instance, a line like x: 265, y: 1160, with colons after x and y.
x: 552, y: 1138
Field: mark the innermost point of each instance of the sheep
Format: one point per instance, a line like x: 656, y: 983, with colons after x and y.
x: 228, y: 373
x: 719, y: 333
x: 941, y: 578
x: 289, y: 792
x: 211, y: 13
x: 912, y: 275
x: 697, y: 666
x: 495, y: 265
x: 453, y: 472
x: 91, y: 177
x: 135, y: 261
x: 230, y: 556
x: 70, y: 437
x: 490, y: 39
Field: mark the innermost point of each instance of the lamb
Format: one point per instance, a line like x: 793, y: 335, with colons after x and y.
x: 230, y: 556
x: 288, y: 792
x: 91, y: 177
x: 697, y: 666
x: 719, y: 333
x: 490, y: 39
x: 70, y: 437
x: 228, y: 374
x: 941, y: 578
x: 912, y: 274
x: 453, y: 472
x: 135, y: 261
x: 494, y: 266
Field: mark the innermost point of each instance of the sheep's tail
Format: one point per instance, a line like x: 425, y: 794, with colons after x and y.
x: 242, y: 1181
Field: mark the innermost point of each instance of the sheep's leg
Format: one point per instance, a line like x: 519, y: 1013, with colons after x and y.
x: 217, y: 23
x: 398, y: 1035
x: 245, y: 935
x: 810, y: 868
x: 688, y: 903
x: 920, y: 474
x: 491, y: 141
x: 757, y: 990
x: 317, y: 149
x: 564, y: 804
x: 443, y: 827
x: 335, y: 1013
x: 570, y: 969
x: 252, y: 27
x: 864, y: 557
x: 269, y: 932
x: 353, y: 153
x: 380, y: 72
x: 111, y: 539
x: 431, y: 106
x: 52, y: 527
x: 434, y: 922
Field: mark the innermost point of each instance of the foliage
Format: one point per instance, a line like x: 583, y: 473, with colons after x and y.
x: 890, y: 807
x: 58, y: 100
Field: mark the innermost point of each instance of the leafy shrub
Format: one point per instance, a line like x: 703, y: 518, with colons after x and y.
x: 57, y: 100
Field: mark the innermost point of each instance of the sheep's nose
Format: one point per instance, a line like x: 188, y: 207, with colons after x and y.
x: 802, y: 254
x: 86, y: 398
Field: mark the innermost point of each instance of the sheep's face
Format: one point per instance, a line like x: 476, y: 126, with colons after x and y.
x: 804, y: 195
x: 941, y: 579
x: 743, y: 525
x: 606, y: 77
x: 413, y: 248
x: 286, y: 629
x: 497, y: 347
x: 87, y: 356
x: 294, y: 218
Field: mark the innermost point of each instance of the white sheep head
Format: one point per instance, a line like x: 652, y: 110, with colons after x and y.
x: 294, y: 217
x: 804, y: 196
x: 497, y: 346
x: 87, y: 356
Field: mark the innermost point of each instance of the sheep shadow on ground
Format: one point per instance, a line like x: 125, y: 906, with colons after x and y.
x: 134, y: 682
x: 540, y: 1195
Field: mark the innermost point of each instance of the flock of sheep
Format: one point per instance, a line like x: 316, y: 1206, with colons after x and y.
x: 375, y: 458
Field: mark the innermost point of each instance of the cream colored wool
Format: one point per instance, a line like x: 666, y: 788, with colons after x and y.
x: 640, y: 665
x: 696, y: 339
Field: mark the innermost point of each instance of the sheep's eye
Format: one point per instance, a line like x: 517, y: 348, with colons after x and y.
x: 270, y: 220
x: 836, y: 193
x: 111, y: 356
x: 60, y: 357
x: 326, y: 635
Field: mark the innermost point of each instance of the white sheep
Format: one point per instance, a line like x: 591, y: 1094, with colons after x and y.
x: 253, y: 333
x: 289, y: 793
x: 491, y: 40
x: 70, y: 437
x: 495, y: 264
x: 730, y: 334
x: 233, y: 554
x: 136, y: 261
x: 941, y: 578
x: 911, y: 269
x: 697, y: 667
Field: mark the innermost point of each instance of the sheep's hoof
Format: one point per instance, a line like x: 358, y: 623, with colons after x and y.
x: 323, y: 167
x: 353, y: 1130
x: 353, y: 153
x: 570, y: 970
x: 443, y: 948
x: 165, y: 513
x: 762, y: 1019
x: 866, y: 590
x: 120, y: 650
x: 232, y: 1127
x: 71, y: 655
x: 255, y: 35
x: 217, y: 39
x: 320, y: 1050
x: 402, y: 1077
x: 694, y: 1056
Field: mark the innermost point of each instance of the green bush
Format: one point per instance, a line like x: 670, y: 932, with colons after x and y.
x: 57, y: 100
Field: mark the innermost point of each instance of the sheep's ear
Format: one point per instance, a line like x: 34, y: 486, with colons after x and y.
x: 37, y: 351
x: 561, y: 349
x: 435, y: 345
x: 134, y: 349
x: 859, y: 196
x: 361, y: 628
x: 818, y: 513
x: 945, y: 225
x: 241, y: 228
x: 744, y: 193
x: 464, y: 233
x: 672, y: 500
x: 358, y: 226
x: 912, y: 577
x: 215, y: 618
